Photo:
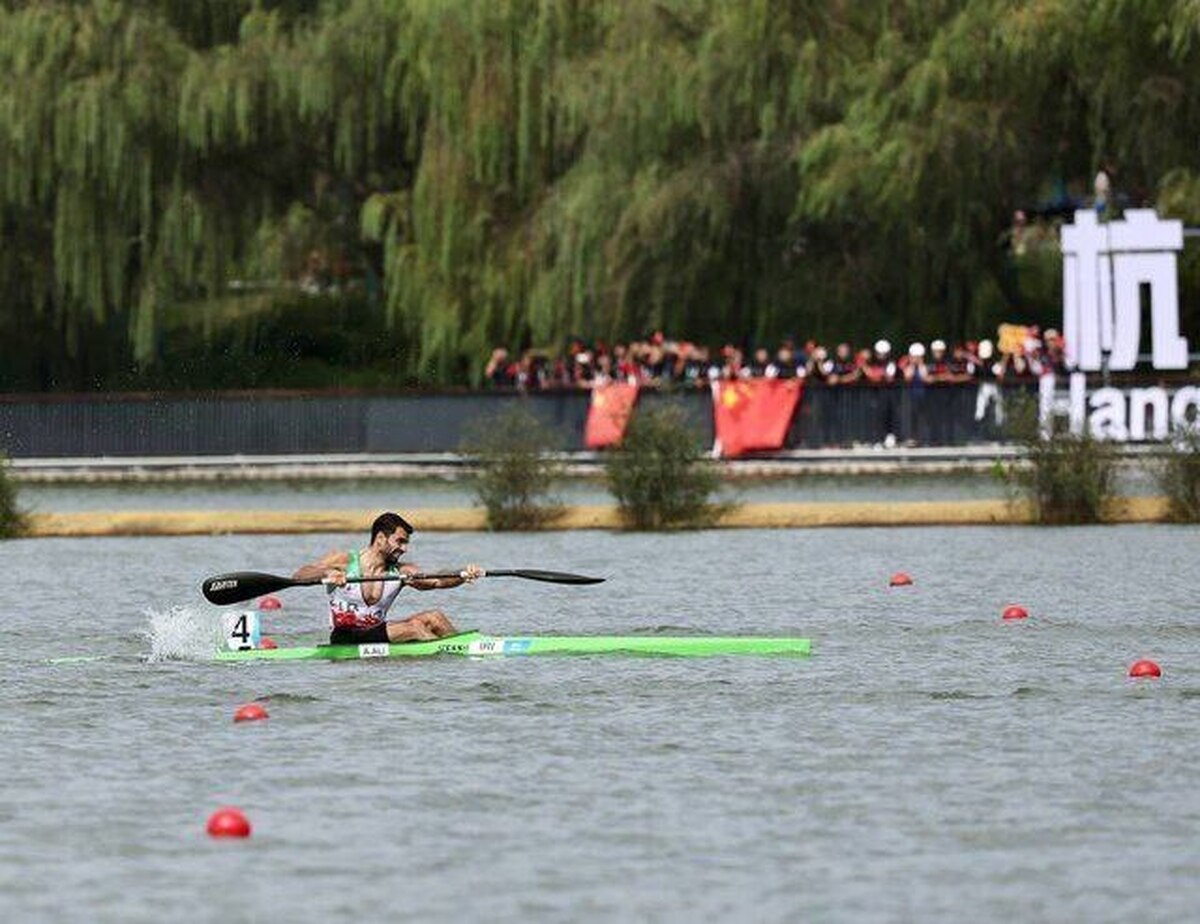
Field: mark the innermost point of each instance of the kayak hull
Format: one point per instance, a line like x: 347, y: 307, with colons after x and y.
x: 478, y: 645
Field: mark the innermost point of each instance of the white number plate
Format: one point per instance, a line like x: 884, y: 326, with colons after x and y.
x: 241, y: 630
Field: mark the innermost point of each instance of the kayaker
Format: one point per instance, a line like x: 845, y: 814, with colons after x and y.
x: 358, y: 611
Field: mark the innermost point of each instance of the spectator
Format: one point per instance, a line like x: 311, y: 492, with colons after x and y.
x: 760, y: 363
x: 1054, y: 356
x: 938, y: 364
x: 1015, y: 366
x: 582, y: 372
x: 732, y: 358
x: 913, y: 369
x: 878, y: 366
x: 1019, y: 234
x: 786, y: 365
x: 694, y: 364
x: 819, y: 365
x: 843, y: 367
x: 964, y: 361
x: 1102, y: 189
x: 604, y: 369
x: 988, y: 373
x: 499, y: 371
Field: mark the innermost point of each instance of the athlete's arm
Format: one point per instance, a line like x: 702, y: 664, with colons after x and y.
x: 469, y: 574
x: 327, y: 568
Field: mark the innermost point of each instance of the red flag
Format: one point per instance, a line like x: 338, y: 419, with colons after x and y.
x: 612, y: 405
x: 753, y: 414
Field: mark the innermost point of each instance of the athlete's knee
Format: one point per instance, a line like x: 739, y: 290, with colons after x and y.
x: 439, y: 622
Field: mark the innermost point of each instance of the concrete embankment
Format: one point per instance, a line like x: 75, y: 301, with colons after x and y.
x: 746, y: 516
x: 862, y: 460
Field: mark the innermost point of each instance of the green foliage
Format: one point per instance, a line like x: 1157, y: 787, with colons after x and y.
x: 13, y: 520
x: 660, y: 476
x: 514, y: 469
x: 517, y: 171
x: 1068, y: 477
x: 1179, y: 477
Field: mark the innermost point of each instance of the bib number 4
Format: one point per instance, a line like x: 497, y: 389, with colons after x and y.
x: 242, y: 630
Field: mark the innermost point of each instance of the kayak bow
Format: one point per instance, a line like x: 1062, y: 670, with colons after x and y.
x: 475, y: 644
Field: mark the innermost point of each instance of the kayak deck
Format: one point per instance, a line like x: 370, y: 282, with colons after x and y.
x: 476, y: 644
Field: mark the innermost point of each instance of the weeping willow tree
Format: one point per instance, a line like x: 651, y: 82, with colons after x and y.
x: 966, y: 110
x: 183, y: 176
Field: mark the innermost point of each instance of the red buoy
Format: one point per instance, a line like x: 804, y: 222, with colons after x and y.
x: 270, y: 602
x: 267, y: 642
x: 1144, y: 669
x: 251, y: 712
x: 900, y: 579
x: 228, y: 822
x: 1015, y: 612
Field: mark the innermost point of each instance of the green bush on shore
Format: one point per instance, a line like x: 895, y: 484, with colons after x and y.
x: 660, y: 476
x: 515, y: 471
x: 1179, y: 478
x: 13, y: 521
x: 1068, y: 477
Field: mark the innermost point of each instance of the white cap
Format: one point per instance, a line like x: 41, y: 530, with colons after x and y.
x: 938, y: 346
x: 917, y: 349
x: 882, y: 347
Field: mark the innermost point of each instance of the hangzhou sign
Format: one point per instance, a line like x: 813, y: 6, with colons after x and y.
x: 1107, y: 266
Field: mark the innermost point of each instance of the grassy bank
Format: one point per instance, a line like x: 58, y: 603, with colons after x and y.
x: 747, y: 516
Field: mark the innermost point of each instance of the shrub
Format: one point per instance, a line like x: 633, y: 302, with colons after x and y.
x: 1068, y: 477
x: 13, y: 521
x: 660, y: 476
x: 1179, y: 477
x: 515, y: 471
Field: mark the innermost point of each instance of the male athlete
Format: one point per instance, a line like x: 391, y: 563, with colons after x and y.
x: 358, y: 611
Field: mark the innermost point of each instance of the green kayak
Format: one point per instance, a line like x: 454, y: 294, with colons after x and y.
x: 478, y: 645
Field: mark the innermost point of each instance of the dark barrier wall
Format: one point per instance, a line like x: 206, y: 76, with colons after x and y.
x: 167, y: 425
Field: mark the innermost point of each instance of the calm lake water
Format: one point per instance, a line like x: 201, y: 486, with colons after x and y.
x: 928, y: 762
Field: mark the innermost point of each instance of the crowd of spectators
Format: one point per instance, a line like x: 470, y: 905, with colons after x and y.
x: 1019, y: 354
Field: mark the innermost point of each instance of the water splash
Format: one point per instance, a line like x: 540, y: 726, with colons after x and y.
x: 183, y: 633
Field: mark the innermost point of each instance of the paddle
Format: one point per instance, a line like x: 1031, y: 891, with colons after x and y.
x: 237, y: 586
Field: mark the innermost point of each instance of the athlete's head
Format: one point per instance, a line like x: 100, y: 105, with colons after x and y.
x: 390, y: 533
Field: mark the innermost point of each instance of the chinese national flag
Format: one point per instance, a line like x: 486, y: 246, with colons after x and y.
x: 612, y: 404
x: 753, y: 414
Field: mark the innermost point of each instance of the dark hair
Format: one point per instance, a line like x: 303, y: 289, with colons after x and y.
x: 387, y: 523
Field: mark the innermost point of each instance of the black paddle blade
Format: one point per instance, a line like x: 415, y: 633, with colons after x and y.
x: 237, y: 586
x: 550, y: 577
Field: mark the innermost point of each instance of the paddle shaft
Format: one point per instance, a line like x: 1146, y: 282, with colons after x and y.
x: 239, y: 586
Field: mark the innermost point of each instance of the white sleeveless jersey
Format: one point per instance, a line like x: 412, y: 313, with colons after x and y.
x: 348, y: 609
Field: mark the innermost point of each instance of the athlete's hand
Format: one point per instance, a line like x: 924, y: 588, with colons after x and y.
x: 334, y: 577
x: 472, y: 573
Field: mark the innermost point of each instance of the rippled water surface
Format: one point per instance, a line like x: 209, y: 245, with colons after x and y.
x: 928, y: 762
